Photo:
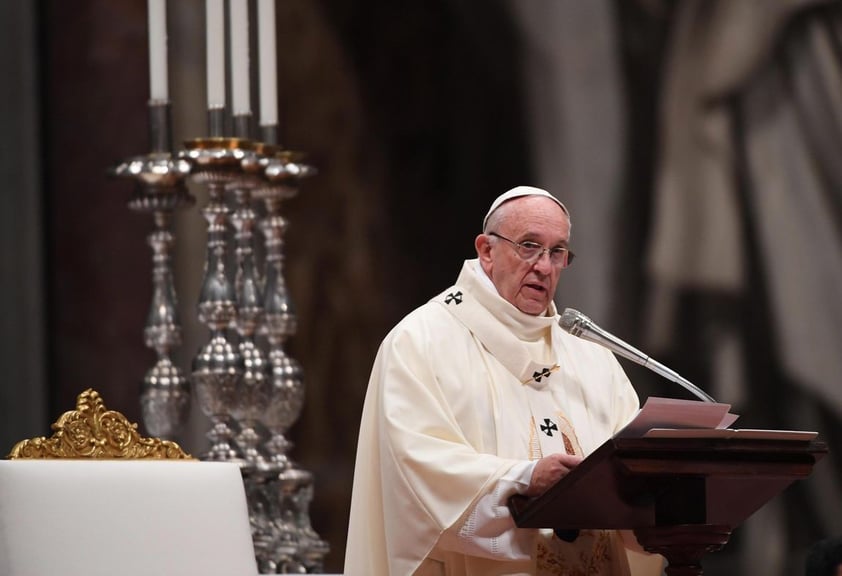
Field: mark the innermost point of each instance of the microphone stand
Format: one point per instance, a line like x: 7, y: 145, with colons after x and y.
x: 580, y: 325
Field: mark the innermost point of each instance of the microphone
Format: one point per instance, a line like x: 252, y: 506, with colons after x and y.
x: 580, y: 325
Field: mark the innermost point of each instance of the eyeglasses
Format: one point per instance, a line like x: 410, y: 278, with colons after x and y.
x: 532, y: 251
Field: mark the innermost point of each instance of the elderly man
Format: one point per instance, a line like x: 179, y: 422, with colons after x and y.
x: 478, y: 395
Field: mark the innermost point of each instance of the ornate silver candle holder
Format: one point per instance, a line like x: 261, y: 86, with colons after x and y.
x: 218, y: 367
x: 160, y: 191
x: 255, y: 386
x: 243, y: 379
x: 284, y: 172
x: 291, y: 488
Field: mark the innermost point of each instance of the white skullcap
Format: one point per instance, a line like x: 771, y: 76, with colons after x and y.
x: 517, y: 192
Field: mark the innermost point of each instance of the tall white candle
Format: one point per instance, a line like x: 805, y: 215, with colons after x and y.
x: 240, y: 93
x: 267, y: 54
x: 158, y: 84
x: 215, y: 52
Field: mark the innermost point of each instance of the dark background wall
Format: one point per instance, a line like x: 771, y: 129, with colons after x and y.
x: 416, y: 115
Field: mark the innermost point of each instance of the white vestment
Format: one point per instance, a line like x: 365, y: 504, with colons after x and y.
x: 462, y: 395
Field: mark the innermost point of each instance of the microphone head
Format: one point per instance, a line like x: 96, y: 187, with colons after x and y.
x: 574, y: 321
x: 570, y: 317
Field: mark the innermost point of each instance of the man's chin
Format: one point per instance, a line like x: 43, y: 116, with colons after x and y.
x: 534, y: 307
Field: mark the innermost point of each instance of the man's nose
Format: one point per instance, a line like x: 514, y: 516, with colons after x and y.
x: 543, y: 264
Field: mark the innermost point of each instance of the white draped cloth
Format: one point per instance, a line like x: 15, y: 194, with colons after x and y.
x: 462, y: 396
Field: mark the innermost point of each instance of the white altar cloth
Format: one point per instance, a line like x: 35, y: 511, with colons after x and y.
x: 123, y: 517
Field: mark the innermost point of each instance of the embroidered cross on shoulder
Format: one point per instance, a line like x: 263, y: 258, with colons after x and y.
x: 538, y: 375
x: 454, y: 297
x: 545, y: 373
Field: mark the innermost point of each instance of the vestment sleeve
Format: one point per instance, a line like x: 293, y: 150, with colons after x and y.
x: 436, y: 474
x: 489, y: 530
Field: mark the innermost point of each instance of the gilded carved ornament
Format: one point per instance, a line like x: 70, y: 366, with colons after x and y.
x: 92, y: 431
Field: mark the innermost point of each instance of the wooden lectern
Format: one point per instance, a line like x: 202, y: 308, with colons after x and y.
x: 682, y: 497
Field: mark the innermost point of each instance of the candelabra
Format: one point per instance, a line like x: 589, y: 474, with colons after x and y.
x: 290, y: 490
x: 242, y: 378
x: 160, y: 190
x: 218, y: 368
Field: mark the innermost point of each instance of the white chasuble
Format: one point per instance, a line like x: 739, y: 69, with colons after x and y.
x: 465, y: 392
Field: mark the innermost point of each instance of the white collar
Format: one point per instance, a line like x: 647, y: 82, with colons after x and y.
x: 525, y: 326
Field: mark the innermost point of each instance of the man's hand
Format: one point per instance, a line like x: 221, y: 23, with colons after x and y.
x: 549, y: 470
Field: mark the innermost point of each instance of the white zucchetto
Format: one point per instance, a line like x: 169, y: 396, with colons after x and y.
x: 517, y: 192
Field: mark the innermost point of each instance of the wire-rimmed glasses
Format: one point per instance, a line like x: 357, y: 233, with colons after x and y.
x: 531, y: 252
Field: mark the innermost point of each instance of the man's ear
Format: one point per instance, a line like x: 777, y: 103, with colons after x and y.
x: 483, y: 245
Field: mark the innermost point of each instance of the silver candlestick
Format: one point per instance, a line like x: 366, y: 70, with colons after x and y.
x: 254, y: 390
x: 160, y: 191
x: 218, y: 367
x: 284, y: 172
x: 255, y: 386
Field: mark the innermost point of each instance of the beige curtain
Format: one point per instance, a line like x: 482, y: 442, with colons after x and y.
x: 748, y: 205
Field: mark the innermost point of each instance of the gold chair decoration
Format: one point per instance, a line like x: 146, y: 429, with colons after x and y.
x: 92, y: 431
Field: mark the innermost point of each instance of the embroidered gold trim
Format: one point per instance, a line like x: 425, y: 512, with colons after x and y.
x: 92, y: 431
x: 592, y: 554
x: 534, y: 444
x: 571, y: 440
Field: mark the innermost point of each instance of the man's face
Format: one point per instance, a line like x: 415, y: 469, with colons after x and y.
x: 530, y: 287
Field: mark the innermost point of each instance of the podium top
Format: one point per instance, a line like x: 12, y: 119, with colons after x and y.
x: 647, y: 482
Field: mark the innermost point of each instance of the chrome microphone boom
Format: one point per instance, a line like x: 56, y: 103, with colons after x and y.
x: 580, y: 325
